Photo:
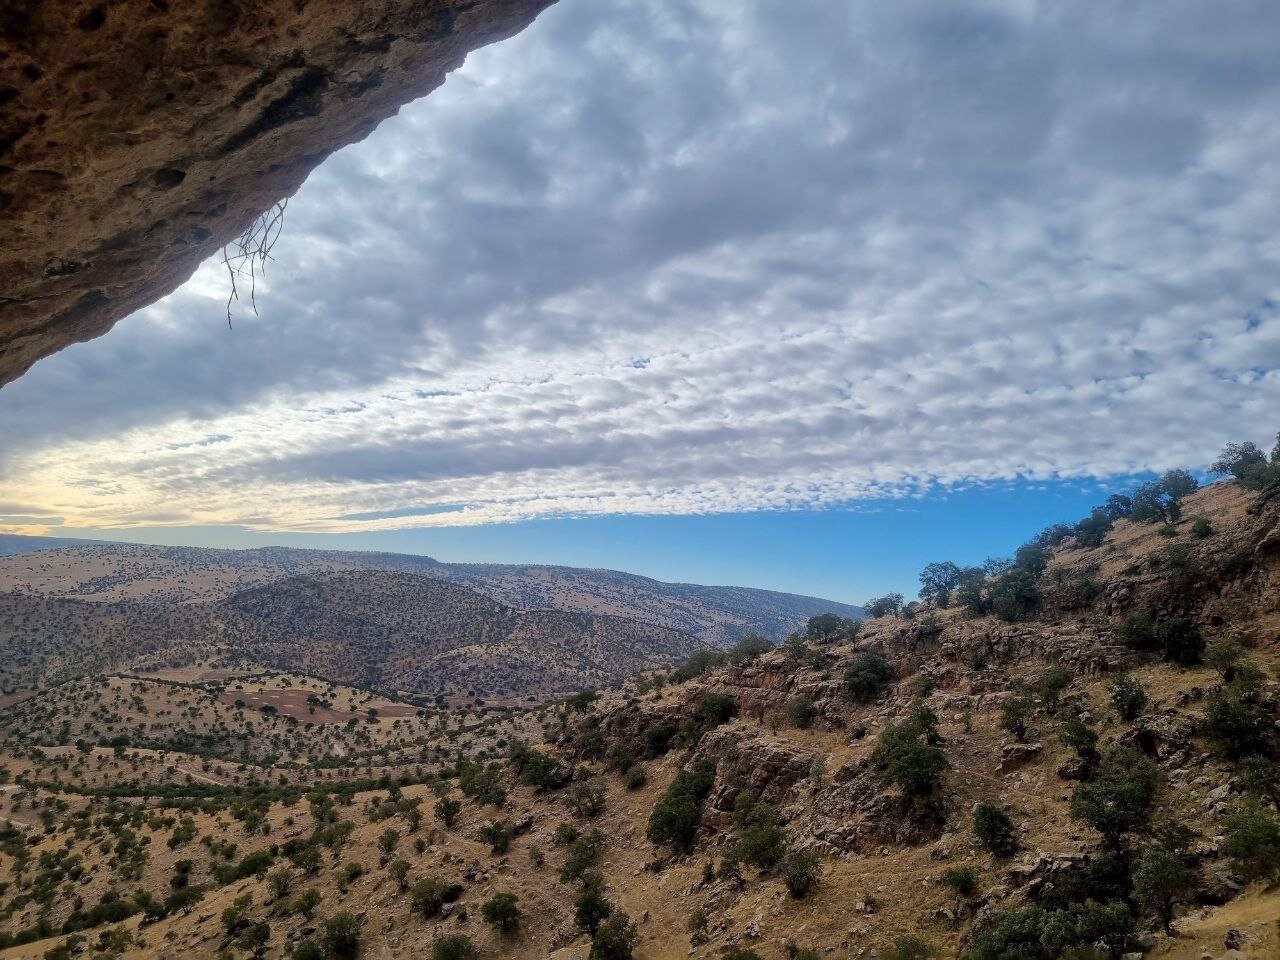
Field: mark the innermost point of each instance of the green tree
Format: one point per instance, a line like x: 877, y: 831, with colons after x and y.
x: 1014, y: 713
x: 427, y: 896
x: 1181, y: 641
x: 498, y: 835
x: 675, y: 818
x: 592, y: 908
x: 615, y: 939
x: 1238, y: 459
x: 994, y: 830
x: 801, y: 872
x: 447, y: 811
x: 1119, y: 801
x: 453, y: 946
x: 340, y: 937
x: 1253, y: 842
x: 1052, y: 682
x: 890, y: 605
x: 1159, y: 879
x: 502, y: 911
x: 1014, y: 596
x: 867, y: 676
x: 1127, y: 696
x: 937, y: 580
x: 910, y: 947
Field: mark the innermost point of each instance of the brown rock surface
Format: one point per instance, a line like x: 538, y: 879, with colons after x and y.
x: 138, y: 137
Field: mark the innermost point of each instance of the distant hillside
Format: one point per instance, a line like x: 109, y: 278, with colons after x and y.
x: 717, y: 616
x: 377, y: 629
x: 392, y: 630
x: 12, y: 544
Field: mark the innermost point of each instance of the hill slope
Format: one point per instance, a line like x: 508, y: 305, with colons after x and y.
x: 716, y: 615
x: 401, y: 631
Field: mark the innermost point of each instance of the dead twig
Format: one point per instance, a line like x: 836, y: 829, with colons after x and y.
x: 247, y: 255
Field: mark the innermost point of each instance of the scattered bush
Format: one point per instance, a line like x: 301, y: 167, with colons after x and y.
x: 427, y: 896
x: 674, y: 820
x: 502, y: 911
x: 1138, y: 631
x: 801, y: 872
x: 1036, y: 933
x: 890, y: 605
x: 963, y: 880
x: 1159, y: 879
x: 615, y: 939
x: 1127, y: 696
x: 1119, y: 801
x: 453, y: 946
x: 761, y: 841
x: 1253, y: 842
x: 1052, y: 682
x: 1014, y: 713
x: 1201, y: 529
x: 994, y: 830
x: 1014, y: 596
x: 867, y: 677
x: 800, y: 712
x: 1235, y: 719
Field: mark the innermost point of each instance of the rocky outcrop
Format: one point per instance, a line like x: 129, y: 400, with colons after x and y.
x: 138, y: 137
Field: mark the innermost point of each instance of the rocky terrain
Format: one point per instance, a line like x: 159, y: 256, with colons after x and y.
x: 389, y: 631
x: 117, y: 571
x: 139, y: 137
x: 1074, y: 756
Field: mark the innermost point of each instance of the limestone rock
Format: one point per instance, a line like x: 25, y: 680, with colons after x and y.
x: 138, y: 137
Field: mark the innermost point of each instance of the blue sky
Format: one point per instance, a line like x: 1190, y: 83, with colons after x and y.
x: 841, y: 554
x: 688, y: 287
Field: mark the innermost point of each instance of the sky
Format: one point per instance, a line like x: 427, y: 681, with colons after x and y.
x: 784, y: 293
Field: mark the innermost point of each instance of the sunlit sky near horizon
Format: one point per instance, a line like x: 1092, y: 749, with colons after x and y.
x: 789, y: 294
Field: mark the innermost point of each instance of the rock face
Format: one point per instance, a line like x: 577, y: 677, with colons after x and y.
x: 138, y: 137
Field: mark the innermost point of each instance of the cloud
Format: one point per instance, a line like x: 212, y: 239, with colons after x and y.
x: 695, y: 257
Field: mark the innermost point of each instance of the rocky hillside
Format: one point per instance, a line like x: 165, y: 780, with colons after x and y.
x: 108, y: 572
x: 1075, y: 755
x: 399, y: 631
x: 379, y: 629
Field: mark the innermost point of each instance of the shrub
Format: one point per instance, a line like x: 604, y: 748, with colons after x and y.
x: 1119, y: 800
x: 800, y: 712
x: 1234, y: 719
x: 1262, y: 777
x: 635, y: 778
x: 1159, y: 878
x: 1081, y: 738
x: 615, y: 939
x: 1014, y: 713
x: 907, y: 754
x: 867, y: 676
x: 801, y: 872
x: 427, y: 896
x: 501, y: 911
x: 675, y: 818
x: 910, y: 947
x: 717, y: 708
x: 1201, y: 529
x: 994, y: 830
x: 1138, y: 631
x: 963, y: 880
x: 1015, y: 595
x: 586, y: 800
x: 592, y: 909
x: 1052, y: 683
x: 1127, y: 696
x: 307, y: 949
x: 1181, y: 641
x: 340, y: 937
x: 1035, y: 933
x: 447, y: 809
x: 453, y: 946
x: 498, y: 835
x: 761, y: 841
x: 1253, y: 842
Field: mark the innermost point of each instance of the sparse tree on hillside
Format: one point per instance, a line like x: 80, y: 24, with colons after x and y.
x: 937, y: 580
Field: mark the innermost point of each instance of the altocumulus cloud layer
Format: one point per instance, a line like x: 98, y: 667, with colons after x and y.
x: 690, y: 255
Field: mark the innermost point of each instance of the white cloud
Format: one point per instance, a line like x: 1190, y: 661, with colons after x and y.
x: 686, y: 257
